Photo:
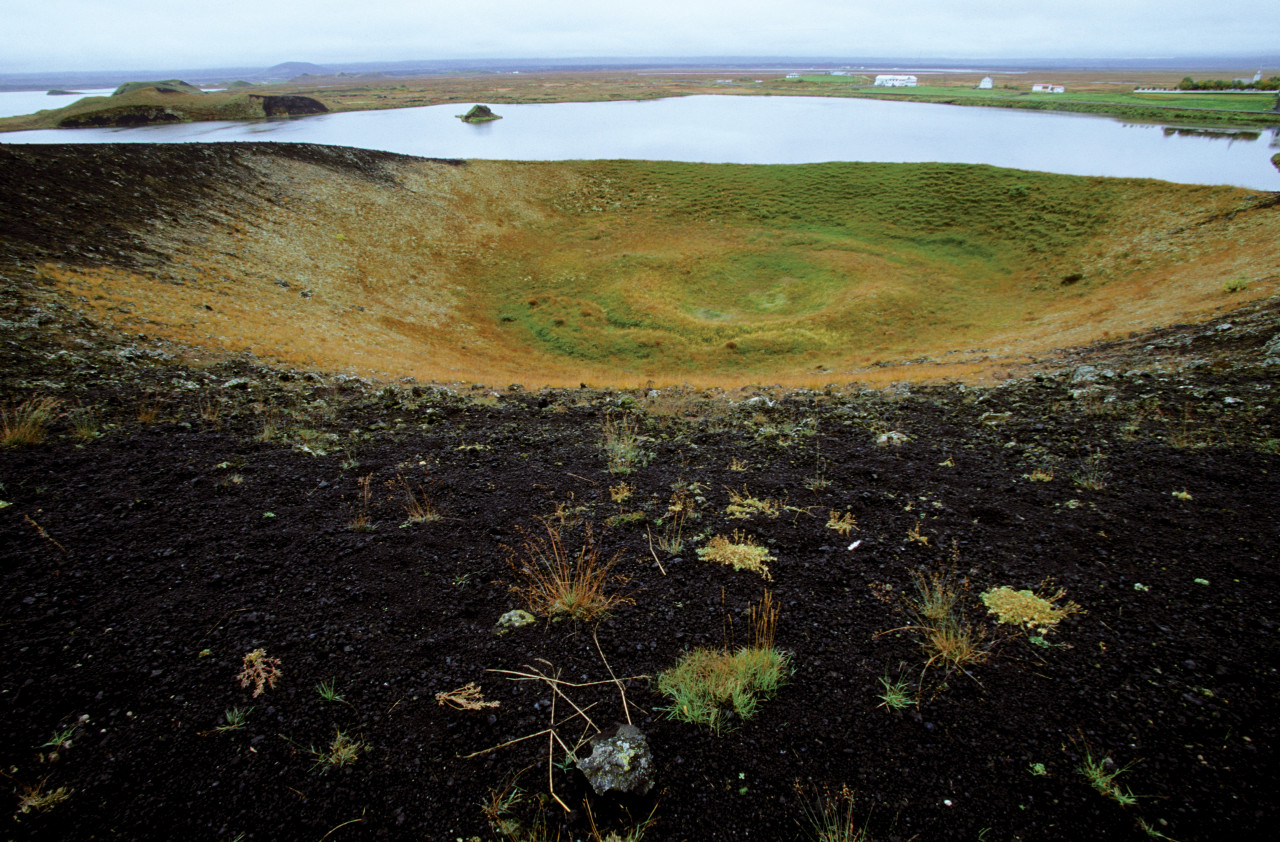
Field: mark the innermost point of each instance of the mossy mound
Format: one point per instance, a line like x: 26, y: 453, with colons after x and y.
x: 168, y: 86
x: 479, y: 114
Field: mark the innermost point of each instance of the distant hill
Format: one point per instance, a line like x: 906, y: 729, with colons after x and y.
x: 289, y: 69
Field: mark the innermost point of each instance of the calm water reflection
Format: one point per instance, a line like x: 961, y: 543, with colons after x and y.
x: 13, y: 103
x: 762, y: 130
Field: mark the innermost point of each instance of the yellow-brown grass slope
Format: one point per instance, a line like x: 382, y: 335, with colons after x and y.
x: 628, y: 272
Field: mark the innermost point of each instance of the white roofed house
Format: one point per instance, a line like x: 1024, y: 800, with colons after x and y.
x: 889, y: 80
x: 986, y: 83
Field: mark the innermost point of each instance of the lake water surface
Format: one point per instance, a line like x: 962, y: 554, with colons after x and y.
x: 757, y: 130
x: 14, y: 103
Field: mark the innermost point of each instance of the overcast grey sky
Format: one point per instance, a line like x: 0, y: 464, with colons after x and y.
x: 46, y: 35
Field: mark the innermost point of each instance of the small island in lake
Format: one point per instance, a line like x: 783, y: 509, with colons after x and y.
x: 479, y: 114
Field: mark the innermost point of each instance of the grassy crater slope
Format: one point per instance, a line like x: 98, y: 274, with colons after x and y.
x: 625, y: 272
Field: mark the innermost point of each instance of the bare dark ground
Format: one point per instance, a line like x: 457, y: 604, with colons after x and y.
x: 142, y: 560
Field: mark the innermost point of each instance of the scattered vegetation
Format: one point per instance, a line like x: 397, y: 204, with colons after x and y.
x: 830, y: 818
x: 1093, y: 474
x: 914, y: 533
x: 897, y: 693
x: 260, y: 670
x: 622, y: 445
x: 341, y: 751
x: 842, y: 522
x: 514, y: 815
x: 559, y: 580
x: 149, y: 410
x: 85, y: 423
x: 235, y: 719
x: 1027, y: 608
x: 328, y: 691
x: 40, y: 799
x: 28, y: 422
x: 743, y: 506
x: 707, y: 683
x: 741, y: 552
x: 681, y: 508
x: 945, y: 632
x: 362, y: 519
x: 419, y: 507
x: 467, y: 697
x: 1102, y: 774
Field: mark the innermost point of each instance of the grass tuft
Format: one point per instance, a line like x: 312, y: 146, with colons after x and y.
x: 514, y: 815
x: 85, y: 423
x: 28, y: 422
x: 897, y: 693
x: 560, y: 580
x: 342, y: 751
x: 707, y: 683
x: 235, y: 719
x: 328, y: 690
x: 419, y: 507
x: 682, y: 506
x: 1092, y: 474
x: 831, y: 818
x: 622, y: 445
x: 39, y: 799
x: 1102, y: 774
x: 946, y: 635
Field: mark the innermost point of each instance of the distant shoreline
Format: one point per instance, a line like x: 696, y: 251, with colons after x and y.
x: 1088, y: 92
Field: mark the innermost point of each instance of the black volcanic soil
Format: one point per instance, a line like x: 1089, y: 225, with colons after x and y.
x: 180, y: 515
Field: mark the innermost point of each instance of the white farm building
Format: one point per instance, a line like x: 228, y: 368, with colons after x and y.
x: 893, y: 81
x: 986, y: 83
x: 1045, y: 88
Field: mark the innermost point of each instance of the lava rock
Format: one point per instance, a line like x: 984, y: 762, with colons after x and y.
x: 621, y: 762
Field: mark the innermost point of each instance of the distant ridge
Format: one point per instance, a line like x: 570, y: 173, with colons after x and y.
x: 289, y: 69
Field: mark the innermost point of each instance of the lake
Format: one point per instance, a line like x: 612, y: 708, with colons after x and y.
x: 14, y: 103
x: 758, y: 130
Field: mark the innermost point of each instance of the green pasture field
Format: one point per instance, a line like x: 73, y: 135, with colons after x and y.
x: 1200, y: 99
x: 1200, y: 106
